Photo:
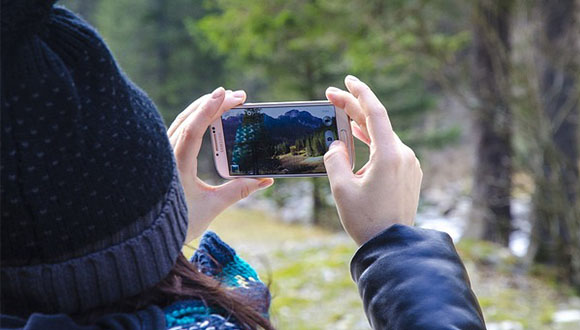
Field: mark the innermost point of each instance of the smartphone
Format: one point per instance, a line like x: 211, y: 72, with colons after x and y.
x: 281, y: 139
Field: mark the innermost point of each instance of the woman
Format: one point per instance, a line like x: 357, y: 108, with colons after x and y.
x: 98, y: 199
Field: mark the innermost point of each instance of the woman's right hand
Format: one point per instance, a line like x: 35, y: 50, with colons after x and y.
x: 385, y: 191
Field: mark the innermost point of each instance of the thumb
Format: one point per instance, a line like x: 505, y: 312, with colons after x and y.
x: 337, y: 164
x: 239, y: 189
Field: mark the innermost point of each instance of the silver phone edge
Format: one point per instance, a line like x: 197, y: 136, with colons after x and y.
x: 350, y: 144
x: 282, y: 104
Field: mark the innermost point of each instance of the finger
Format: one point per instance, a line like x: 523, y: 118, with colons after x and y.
x: 377, y: 120
x: 189, y: 139
x: 338, y: 166
x: 231, y: 100
x: 363, y: 169
x: 196, y: 124
x: 185, y: 113
x: 359, y: 133
x: 238, y: 96
x: 348, y: 103
x: 238, y: 189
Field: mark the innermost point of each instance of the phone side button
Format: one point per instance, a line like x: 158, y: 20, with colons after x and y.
x: 215, y: 142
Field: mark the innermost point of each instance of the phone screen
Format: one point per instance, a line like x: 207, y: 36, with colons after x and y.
x: 278, y: 140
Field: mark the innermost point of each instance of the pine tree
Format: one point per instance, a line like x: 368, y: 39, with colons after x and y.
x: 556, y: 232
x: 157, y: 50
x: 308, y: 148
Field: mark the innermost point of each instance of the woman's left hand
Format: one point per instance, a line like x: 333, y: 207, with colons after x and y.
x: 205, y: 201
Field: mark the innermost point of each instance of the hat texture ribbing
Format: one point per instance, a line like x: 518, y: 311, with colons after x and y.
x: 92, y: 208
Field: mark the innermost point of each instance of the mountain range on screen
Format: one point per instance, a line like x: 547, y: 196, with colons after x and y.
x: 292, y: 125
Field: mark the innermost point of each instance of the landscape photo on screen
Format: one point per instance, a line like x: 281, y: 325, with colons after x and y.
x: 278, y: 140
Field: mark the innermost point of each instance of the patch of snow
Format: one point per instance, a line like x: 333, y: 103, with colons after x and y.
x: 567, y: 316
x: 519, y: 242
x: 453, y: 228
x: 505, y: 325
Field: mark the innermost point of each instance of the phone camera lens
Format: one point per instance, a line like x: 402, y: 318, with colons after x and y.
x: 329, y: 139
x: 217, y: 154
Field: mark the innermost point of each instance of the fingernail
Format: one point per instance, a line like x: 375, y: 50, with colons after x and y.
x: 332, y: 90
x: 351, y: 78
x: 217, y: 93
x: 239, y: 94
x: 334, y: 144
x: 265, y: 183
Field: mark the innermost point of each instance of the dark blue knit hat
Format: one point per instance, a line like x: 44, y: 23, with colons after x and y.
x: 92, y: 208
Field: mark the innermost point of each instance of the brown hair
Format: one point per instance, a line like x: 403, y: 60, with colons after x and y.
x: 185, y: 281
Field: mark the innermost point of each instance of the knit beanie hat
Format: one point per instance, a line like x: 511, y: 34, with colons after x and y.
x: 92, y: 207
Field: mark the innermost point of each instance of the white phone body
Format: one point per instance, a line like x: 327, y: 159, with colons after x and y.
x: 223, y: 160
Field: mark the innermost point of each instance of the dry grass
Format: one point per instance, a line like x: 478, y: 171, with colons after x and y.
x: 307, y: 269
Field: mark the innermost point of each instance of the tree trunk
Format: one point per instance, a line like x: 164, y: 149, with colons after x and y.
x: 557, y: 200
x: 491, y: 213
x: 318, y: 203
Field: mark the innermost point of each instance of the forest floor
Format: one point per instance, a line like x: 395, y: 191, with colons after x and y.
x: 301, y: 162
x: 308, y: 272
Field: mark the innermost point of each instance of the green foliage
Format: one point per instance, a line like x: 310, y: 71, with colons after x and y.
x: 285, y: 41
x: 295, y: 49
x: 153, y: 46
x: 281, y: 50
x: 314, y: 144
x: 432, y: 139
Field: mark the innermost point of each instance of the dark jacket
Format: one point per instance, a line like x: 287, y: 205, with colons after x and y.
x: 409, y: 278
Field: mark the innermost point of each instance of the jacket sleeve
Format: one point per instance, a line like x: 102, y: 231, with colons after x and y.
x: 411, y: 278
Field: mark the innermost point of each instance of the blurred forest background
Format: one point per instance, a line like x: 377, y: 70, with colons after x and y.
x: 486, y: 92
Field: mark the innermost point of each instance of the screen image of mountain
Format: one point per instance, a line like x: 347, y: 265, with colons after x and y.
x: 278, y: 140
